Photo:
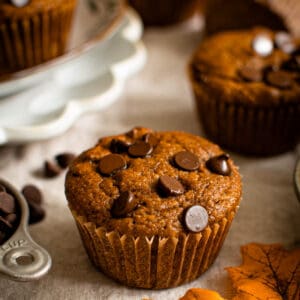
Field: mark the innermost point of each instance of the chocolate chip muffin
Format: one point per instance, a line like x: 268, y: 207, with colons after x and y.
x: 33, y: 31
x: 222, y: 15
x: 153, y: 208
x: 165, y: 12
x: 247, y: 90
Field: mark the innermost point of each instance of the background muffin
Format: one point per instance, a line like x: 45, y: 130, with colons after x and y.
x: 247, y: 90
x: 224, y: 15
x: 153, y: 208
x: 33, y: 33
x: 165, y: 12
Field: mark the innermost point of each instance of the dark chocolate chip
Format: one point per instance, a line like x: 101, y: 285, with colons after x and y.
x: 7, y: 203
x: 263, y: 45
x: 123, y: 205
x: 170, y: 186
x: 251, y: 74
x: 187, y: 161
x: 219, y: 165
x: 279, y: 79
x: 111, y: 163
x: 140, y: 149
x: 119, y: 146
x: 11, y: 218
x: 36, y: 213
x: 195, y: 218
x: 32, y: 194
x: 51, y: 169
x: 2, y: 188
x: 65, y: 159
x: 4, y: 224
x: 151, y: 139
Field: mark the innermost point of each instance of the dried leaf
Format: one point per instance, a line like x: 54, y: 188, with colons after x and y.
x: 268, y: 272
x: 201, y: 294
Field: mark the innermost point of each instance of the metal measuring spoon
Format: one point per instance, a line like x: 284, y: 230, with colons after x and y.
x: 21, y: 258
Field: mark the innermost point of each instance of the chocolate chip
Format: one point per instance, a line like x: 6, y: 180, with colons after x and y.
x: 123, y: 205
x: 119, y: 146
x: 262, y: 45
x: 51, y: 170
x: 195, y: 218
x: 11, y: 218
x: 170, y: 186
x: 36, y: 213
x: 7, y: 203
x: 279, y: 79
x: 2, y: 188
x: 4, y: 224
x: 111, y: 163
x: 219, y: 165
x: 65, y: 159
x: 151, y: 139
x: 285, y: 42
x: 187, y: 161
x: 140, y: 149
x: 32, y: 194
x: 251, y: 74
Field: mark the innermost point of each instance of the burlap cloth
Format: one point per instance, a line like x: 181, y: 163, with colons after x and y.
x: 158, y: 97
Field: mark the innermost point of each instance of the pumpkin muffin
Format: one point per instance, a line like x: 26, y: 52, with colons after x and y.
x: 247, y: 90
x: 153, y: 208
x: 33, y: 31
x: 165, y: 12
x: 222, y: 15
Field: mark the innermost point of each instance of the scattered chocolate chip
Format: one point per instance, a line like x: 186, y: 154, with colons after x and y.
x: 7, y: 203
x: 65, y: 159
x: 170, y: 186
x: 36, y: 213
x: 195, y: 218
x: 279, y: 79
x: 119, y: 146
x: 32, y: 194
x: 51, y: 169
x: 285, y: 42
x: 251, y: 74
x: 262, y: 45
x: 111, y: 163
x: 11, y: 218
x: 2, y: 188
x: 140, y: 149
x: 151, y: 139
x: 219, y: 165
x: 187, y: 161
x: 123, y: 205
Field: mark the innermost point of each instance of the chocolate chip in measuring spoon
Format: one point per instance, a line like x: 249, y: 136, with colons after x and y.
x: 140, y: 149
x: 262, y: 45
x: 65, y: 159
x: 195, y: 218
x: 119, y: 146
x: 7, y: 203
x: 123, y: 205
x: 219, y: 165
x: 170, y: 186
x: 279, y: 79
x: 111, y: 163
x: 187, y: 161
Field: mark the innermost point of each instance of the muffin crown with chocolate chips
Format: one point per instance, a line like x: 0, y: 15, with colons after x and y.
x: 153, y: 183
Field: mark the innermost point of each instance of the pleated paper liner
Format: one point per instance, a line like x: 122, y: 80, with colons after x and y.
x: 248, y: 129
x: 30, y: 41
x: 152, y: 262
x: 165, y: 12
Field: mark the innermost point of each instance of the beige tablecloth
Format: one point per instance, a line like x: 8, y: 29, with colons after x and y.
x: 158, y: 97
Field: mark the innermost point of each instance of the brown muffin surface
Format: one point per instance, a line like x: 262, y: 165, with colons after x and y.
x: 91, y: 194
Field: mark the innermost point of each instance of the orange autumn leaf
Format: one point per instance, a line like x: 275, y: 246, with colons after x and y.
x: 201, y: 294
x: 268, y: 272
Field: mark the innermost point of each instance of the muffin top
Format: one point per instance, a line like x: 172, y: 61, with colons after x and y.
x: 258, y: 66
x: 152, y: 183
x: 17, y: 9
